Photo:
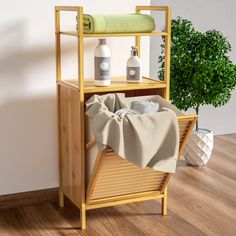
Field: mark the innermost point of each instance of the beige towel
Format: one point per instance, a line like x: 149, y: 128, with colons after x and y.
x: 147, y: 140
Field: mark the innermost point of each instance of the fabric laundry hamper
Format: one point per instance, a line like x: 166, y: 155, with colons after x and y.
x: 110, y: 178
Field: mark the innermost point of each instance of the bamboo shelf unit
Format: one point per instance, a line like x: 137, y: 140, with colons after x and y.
x: 113, y: 180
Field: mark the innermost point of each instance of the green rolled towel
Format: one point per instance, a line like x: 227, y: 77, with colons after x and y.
x: 122, y: 23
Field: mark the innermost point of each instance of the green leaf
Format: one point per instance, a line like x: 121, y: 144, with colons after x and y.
x: 201, y: 71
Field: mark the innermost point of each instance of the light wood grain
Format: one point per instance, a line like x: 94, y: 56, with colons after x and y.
x: 60, y: 172
x: 28, y: 198
x: 167, y: 51
x: 96, y: 170
x: 113, y: 176
x: 67, y: 8
x: 124, y: 86
x: 152, y: 8
x: 71, y: 97
x: 81, y: 140
x: 118, y: 83
x: 164, y: 203
x: 112, y: 35
x: 138, y: 38
x: 58, y: 45
x: 124, y: 200
x: 71, y: 165
x: 186, y: 125
x: 58, y: 79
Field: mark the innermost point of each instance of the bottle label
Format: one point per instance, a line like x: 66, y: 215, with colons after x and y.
x: 133, y: 73
x: 102, y: 68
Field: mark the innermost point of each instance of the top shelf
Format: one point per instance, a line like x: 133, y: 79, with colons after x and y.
x: 75, y: 33
x: 83, y: 85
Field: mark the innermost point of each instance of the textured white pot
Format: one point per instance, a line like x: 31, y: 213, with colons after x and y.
x: 199, y: 148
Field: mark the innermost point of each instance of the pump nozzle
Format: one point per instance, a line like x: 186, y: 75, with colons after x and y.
x: 134, y: 51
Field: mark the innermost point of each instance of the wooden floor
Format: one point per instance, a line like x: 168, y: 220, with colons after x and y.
x: 202, y: 201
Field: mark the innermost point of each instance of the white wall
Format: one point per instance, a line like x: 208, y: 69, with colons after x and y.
x: 205, y: 15
x: 28, y: 129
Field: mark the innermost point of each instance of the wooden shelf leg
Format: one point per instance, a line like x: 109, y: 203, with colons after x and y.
x: 164, y: 203
x: 82, y: 217
x: 61, y: 198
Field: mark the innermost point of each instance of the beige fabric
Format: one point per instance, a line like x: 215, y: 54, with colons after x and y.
x: 148, y: 140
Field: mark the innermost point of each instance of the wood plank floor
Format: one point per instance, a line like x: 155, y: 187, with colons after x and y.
x: 202, y: 201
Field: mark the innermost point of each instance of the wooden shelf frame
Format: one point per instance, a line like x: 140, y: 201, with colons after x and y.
x: 71, y: 113
x: 81, y: 36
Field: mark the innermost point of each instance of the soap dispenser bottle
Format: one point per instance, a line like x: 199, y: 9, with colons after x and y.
x: 133, y: 71
x: 102, y: 56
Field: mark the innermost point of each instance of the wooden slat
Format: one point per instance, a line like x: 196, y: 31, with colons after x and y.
x: 95, y: 173
x: 164, y: 203
x: 128, y: 198
x: 120, y: 173
x: 120, y: 183
x: 60, y: 161
x: 185, y: 137
x: 118, y: 83
x: 167, y: 51
x: 184, y: 126
x: 152, y: 8
x: 81, y: 118
x: 129, y: 186
x: 58, y: 79
x: 67, y: 8
x: 127, y: 189
x: 124, y: 191
x: 138, y: 38
x: 165, y: 182
x: 107, y: 35
x: 132, y: 171
x: 58, y: 46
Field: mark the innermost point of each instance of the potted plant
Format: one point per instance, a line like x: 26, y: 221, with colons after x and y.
x: 201, y: 73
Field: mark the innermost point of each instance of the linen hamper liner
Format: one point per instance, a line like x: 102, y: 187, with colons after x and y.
x: 116, y: 176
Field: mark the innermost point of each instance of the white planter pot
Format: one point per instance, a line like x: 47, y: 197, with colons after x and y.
x: 199, y: 148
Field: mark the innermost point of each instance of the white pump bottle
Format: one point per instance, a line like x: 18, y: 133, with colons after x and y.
x: 102, y: 57
x: 133, y: 71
